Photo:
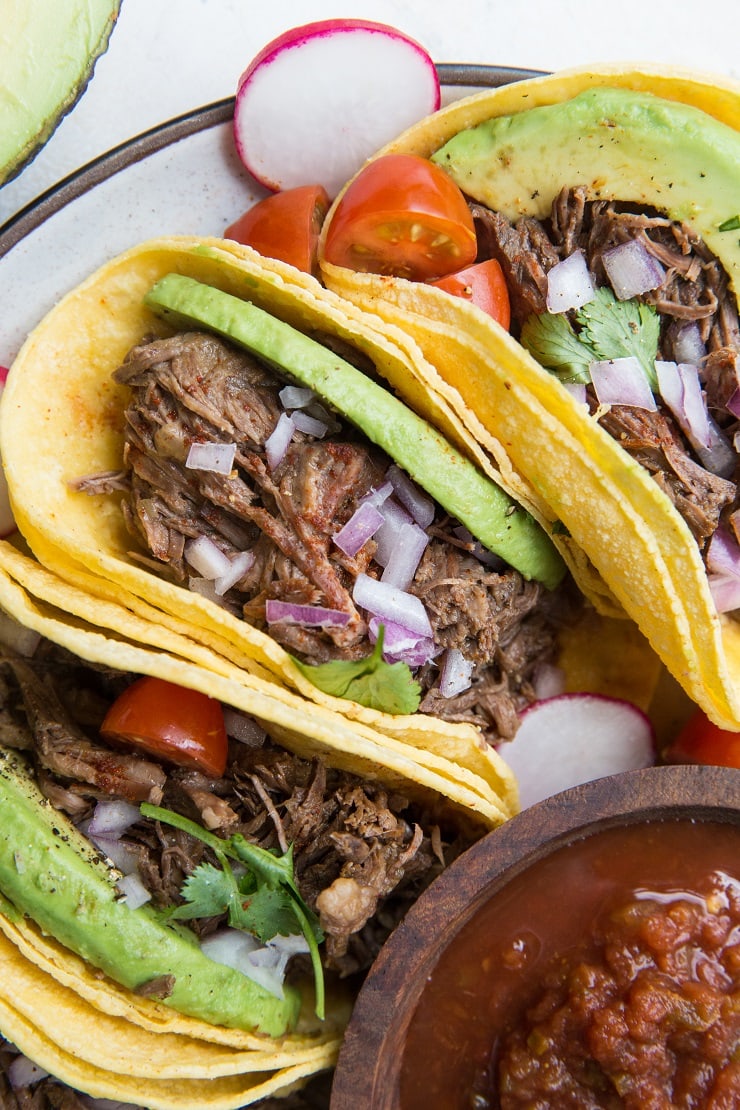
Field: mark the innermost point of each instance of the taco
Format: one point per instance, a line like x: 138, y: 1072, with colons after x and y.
x: 129, y: 395
x: 602, y: 169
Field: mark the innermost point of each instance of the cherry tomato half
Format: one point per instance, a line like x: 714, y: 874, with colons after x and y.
x: 700, y: 741
x: 405, y: 216
x: 179, y: 725
x: 483, y: 285
x: 285, y: 226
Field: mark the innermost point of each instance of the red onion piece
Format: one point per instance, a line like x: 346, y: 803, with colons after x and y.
x: 391, y: 604
x: 404, y: 560
x: 419, y: 504
x: 216, y: 457
x: 723, y: 553
x: 278, y: 441
x: 632, y: 269
x: 622, y: 381
x: 725, y: 590
x: 386, y: 537
x: 206, y: 557
x: 476, y: 548
x: 361, y: 526
x: 379, y: 496
x: 681, y: 391
x: 733, y: 405
x: 456, y: 673
x: 239, y: 564
x: 569, y: 284
x: 402, y: 646
x: 577, y: 391
x: 313, y: 615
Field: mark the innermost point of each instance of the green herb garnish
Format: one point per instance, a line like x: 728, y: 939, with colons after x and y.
x: 606, y: 328
x: 389, y: 687
x: 730, y: 225
x: 263, y: 900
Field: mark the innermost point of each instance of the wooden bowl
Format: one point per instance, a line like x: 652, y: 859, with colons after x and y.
x: 373, y: 1053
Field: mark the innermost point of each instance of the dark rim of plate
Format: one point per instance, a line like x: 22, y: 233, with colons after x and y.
x: 157, y: 138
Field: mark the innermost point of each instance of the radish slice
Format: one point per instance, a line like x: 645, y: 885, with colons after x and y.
x: 321, y: 98
x: 7, y: 522
x: 574, y: 738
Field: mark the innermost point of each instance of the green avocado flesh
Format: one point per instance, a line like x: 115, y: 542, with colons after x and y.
x: 620, y: 145
x: 452, y: 480
x: 48, y: 49
x: 49, y: 873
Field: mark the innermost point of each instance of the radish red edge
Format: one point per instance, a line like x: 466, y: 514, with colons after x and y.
x: 570, y: 739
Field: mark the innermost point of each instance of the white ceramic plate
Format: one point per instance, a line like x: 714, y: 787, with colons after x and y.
x: 180, y: 178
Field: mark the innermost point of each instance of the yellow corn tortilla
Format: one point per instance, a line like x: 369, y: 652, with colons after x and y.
x: 626, y: 527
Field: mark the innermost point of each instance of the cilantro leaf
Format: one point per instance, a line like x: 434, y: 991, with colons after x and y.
x: 268, y: 912
x: 206, y: 892
x: 731, y: 224
x: 551, y: 340
x: 389, y: 687
x: 620, y: 329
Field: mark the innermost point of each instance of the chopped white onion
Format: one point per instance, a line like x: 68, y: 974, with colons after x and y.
x: 391, y: 604
x: 569, y: 284
x: 112, y: 817
x: 216, y: 457
x: 681, y: 390
x: 314, y: 615
x: 22, y: 1072
x: 309, y: 424
x: 118, y: 852
x: 243, y: 728
x: 296, y: 396
x: 134, y: 892
x: 456, y: 673
x: 632, y: 269
x: 239, y: 564
x: 622, y: 381
x: 386, y: 537
x: 419, y: 504
x: 265, y: 964
x: 278, y: 441
x: 577, y: 391
x: 206, y: 557
x: 688, y: 345
x: 229, y: 946
x: 361, y: 526
x: 404, y: 560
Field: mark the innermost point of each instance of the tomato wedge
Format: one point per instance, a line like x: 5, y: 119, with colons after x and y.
x: 179, y: 725
x: 404, y: 216
x: 483, y: 285
x: 285, y: 226
x: 700, y: 741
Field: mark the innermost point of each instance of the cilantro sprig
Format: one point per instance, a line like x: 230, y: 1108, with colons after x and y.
x: 389, y: 687
x: 262, y: 898
x: 606, y: 328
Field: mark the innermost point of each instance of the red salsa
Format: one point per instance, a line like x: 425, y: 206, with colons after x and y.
x: 607, y: 975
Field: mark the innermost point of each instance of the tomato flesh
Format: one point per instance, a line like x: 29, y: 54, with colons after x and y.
x: 700, y: 741
x: 402, y: 216
x: 179, y: 725
x: 285, y: 226
x: 483, y: 285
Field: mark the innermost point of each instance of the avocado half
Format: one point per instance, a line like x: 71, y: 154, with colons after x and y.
x: 48, y: 51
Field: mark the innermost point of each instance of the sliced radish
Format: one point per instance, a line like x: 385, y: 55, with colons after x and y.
x: 7, y: 522
x: 574, y: 738
x: 321, y: 98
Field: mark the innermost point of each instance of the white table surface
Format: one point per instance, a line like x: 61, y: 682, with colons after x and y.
x: 169, y: 56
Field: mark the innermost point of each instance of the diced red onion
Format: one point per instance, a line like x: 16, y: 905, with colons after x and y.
x: 681, y: 391
x: 569, y: 284
x: 733, y: 405
x: 134, y: 892
x: 719, y: 457
x: 296, y: 396
x: 379, y: 496
x: 725, y: 592
x: 386, y: 537
x: 456, y: 673
x: 723, y: 553
x: 391, y: 604
x: 622, y: 381
x: 243, y: 728
x: 216, y: 457
x: 22, y: 1072
x: 632, y: 269
x: 577, y: 391
x: 476, y: 548
x: 206, y: 557
x: 239, y: 564
x: 313, y: 615
x: 402, y: 646
x: 309, y: 424
x: 406, y: 555
x: 278, y: 441
x: 688, y: 345
x: 419, y: 504
x: 361, y: 526
x: 112, y: 817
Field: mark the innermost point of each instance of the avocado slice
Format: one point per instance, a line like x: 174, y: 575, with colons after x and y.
x: 619, y: 144
x: 452, y: 480
x: 48, y: 50
x: 48, y: 872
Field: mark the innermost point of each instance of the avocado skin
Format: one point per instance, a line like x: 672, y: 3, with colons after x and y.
x: 43, y: 80
x: 451, y: 479
x: 46, y: 874
x: 619, y: 144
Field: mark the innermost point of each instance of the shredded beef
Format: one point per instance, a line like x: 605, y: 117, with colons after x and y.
x: 695, y: 290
